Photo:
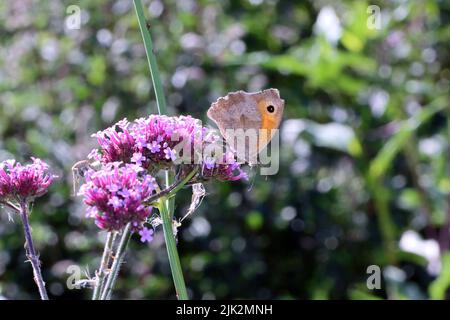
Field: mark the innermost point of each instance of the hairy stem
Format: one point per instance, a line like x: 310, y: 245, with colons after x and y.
x: 118, y: 260
x: 31, y: 251
x: 101, y: 275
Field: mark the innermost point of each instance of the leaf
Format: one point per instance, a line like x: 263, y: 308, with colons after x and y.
x: 439, y: 286
x: 352, y: 42
x: 395, y: 144
x: 97, y: 70
x: 286, y: 63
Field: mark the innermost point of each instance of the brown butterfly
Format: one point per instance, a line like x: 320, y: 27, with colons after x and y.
x: 242, y: 114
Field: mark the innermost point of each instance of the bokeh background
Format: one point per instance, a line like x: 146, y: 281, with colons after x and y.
x: 364, y: 173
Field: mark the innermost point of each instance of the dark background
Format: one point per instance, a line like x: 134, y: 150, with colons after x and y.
x: 364, y: 174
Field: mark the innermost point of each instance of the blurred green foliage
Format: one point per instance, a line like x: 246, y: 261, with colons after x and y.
x: 364, y: 175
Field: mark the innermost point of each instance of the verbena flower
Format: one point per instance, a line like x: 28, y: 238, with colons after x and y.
x: 225, y: 169
x: 157, y: 137
x: 160, y: 142
x: 116, y: 144
x: 146, y: 234
x: 116, y: 195
x: 24, y: 182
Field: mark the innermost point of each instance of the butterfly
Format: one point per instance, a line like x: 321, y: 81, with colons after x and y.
x: 247, y: 120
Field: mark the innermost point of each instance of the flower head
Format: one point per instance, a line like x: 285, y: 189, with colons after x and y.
x: 116, y: 195
x: 159, y: 135
x: 161, y: 142
x: 225, y: 168
x: 24, y: 183
x: 116, y: 144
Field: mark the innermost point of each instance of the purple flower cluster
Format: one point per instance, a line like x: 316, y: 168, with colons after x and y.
x: 116, y: 143
x: 159, y: 142
x: 116, y: 195
x: 148, y: 142
x: 24, y: 183
x: 228, y: 169
x: 157, y: 136
x: 130, y: 153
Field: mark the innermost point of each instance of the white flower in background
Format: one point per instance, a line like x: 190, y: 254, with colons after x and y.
x: 328, y: 25
x: 378, y: 101
x: 412, y: 242
x: 432, y: 146
x: 329, y: 135
x: 291, y: 129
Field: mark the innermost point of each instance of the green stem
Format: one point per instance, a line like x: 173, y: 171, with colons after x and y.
x: 167, y: 204
x: 412, y: 158
x: 174, y: 260
x: 173, y: 189
x: 386, y: 224
x: 108, y: 262
x: 118, y: 259
x: 171, y: 200
x: 154, y: 71
x: 103, y: 266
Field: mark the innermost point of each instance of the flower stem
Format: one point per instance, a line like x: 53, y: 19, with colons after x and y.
x: 31, y: 251
x: 118, y: 259
x: 174, y: 260
x: 103, y: 266
x: 173, y: 189
x: 154, y: 71
x: 167, y: 205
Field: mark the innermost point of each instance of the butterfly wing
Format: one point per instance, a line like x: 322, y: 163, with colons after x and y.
x: 244, y: 121
x: 237, y: 115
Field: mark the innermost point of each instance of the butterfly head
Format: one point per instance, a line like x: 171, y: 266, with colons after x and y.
x: 271, y: 107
